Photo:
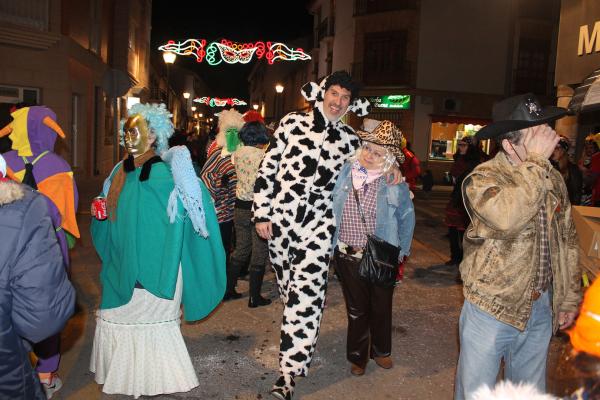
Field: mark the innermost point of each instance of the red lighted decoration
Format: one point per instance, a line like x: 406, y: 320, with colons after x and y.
x: 232, y: 52
x: 217, y: 102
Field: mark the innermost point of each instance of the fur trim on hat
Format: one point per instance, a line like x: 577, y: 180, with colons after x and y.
x: 10, y: 192
x: 385, y: 134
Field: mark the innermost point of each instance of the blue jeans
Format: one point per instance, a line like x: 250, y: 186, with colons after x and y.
x: 484, y: 341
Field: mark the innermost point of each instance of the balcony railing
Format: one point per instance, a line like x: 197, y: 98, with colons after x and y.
x: 325, y: 29
x: 30, y: 13
x: 399, y: 75
x: 158, y: 94
x: 362, y: 7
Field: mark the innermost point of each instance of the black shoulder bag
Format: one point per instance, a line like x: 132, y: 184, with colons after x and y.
x: 379, y: 264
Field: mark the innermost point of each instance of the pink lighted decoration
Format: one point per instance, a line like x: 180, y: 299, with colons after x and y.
x: 231, y: 52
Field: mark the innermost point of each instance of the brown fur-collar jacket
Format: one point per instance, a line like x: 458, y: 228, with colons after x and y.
x: 10, y: 192
x: 502, y: 244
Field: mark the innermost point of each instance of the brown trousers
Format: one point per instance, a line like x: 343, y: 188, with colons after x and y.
x: 369, y: 310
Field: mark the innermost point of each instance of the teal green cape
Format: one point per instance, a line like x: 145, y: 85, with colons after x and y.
x: 142, y: 245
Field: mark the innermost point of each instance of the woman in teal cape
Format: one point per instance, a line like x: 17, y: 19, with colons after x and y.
x: 160, y: 247
x: 142, y: 246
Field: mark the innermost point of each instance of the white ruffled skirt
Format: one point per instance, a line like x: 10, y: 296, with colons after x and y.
x: 139, y: 350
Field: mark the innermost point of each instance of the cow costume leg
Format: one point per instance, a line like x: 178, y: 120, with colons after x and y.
x: 292, y: 196
x: 305, y: 292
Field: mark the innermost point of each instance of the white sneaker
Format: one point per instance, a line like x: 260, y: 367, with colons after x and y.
x: 51, y: 385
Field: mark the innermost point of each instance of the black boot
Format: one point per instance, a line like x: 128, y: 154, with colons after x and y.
x: 244, y: 271
x: 232, y: 270
x: 256, y: 280
x: 283, y: 388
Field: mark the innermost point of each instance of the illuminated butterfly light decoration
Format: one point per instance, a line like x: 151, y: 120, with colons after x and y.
x: 218, y: 102
x: 232, y: 53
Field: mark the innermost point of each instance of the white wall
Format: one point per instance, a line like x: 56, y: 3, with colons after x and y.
x: 463, y: 45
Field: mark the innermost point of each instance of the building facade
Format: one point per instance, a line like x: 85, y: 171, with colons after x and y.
x: 433, y: 67
x: 578, y: 69
x: 56, y: 53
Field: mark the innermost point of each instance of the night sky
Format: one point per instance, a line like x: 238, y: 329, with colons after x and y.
x: 242, y: 21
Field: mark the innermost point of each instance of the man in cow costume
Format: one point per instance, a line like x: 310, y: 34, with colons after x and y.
x: 293, y: 210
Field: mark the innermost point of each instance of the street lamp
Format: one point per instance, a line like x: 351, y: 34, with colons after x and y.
x: 201, y: 115
x: 193, y: 108
x: 279, y: 88
x: 169, y: 58
x: 186, y: 95
x: 255, y: 106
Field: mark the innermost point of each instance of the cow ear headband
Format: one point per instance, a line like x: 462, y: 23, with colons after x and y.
x: 360, y: 106
x: 313, y: 92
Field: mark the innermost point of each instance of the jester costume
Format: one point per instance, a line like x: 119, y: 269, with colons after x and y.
x: 32, y: 161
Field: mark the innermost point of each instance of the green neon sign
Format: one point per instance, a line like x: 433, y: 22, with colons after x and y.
x: 400, y: 101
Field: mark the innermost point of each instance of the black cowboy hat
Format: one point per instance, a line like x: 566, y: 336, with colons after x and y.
x: 519, y: 112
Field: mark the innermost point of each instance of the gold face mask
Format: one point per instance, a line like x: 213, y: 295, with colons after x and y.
x: 136, y: 135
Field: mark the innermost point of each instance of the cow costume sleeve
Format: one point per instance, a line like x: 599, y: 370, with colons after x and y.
x: 264, y: 187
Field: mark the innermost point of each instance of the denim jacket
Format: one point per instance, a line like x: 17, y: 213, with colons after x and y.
x: 395, y: 221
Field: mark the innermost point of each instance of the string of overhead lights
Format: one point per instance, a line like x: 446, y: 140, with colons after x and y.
x: 218, y: 102
x: 232, y: 52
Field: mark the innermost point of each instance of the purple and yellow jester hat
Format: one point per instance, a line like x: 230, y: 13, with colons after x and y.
x: 33, y: 130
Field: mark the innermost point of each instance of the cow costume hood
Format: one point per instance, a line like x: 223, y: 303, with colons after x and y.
x: 314, y: 92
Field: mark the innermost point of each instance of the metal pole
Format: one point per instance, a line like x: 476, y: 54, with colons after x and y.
x: 168, y: 90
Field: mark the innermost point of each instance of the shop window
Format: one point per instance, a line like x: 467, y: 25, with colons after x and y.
x: 445, y: 135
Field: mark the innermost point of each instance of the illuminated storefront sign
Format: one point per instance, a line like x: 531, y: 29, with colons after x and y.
x: 398, y: 101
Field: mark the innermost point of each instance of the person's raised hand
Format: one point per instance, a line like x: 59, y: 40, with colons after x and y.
x: 394, y: 176
x: 540, y: 139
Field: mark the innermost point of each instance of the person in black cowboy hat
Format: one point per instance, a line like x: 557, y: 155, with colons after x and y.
x: 520, y: 265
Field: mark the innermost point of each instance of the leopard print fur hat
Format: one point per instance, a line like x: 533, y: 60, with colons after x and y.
x: 383, y: 133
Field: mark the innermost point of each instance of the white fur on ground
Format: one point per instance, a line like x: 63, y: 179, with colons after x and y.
x: 507, y: 390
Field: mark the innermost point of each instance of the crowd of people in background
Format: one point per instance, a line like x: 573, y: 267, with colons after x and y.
x: 298, y: 199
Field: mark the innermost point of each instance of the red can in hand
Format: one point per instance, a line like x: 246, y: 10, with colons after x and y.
x: 99, y: 208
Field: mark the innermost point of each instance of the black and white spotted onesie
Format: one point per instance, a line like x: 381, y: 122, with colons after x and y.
x: 293, y: 190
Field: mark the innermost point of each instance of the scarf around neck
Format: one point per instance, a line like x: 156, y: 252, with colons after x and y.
x: 130, y: 163
x: 362, y: 176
